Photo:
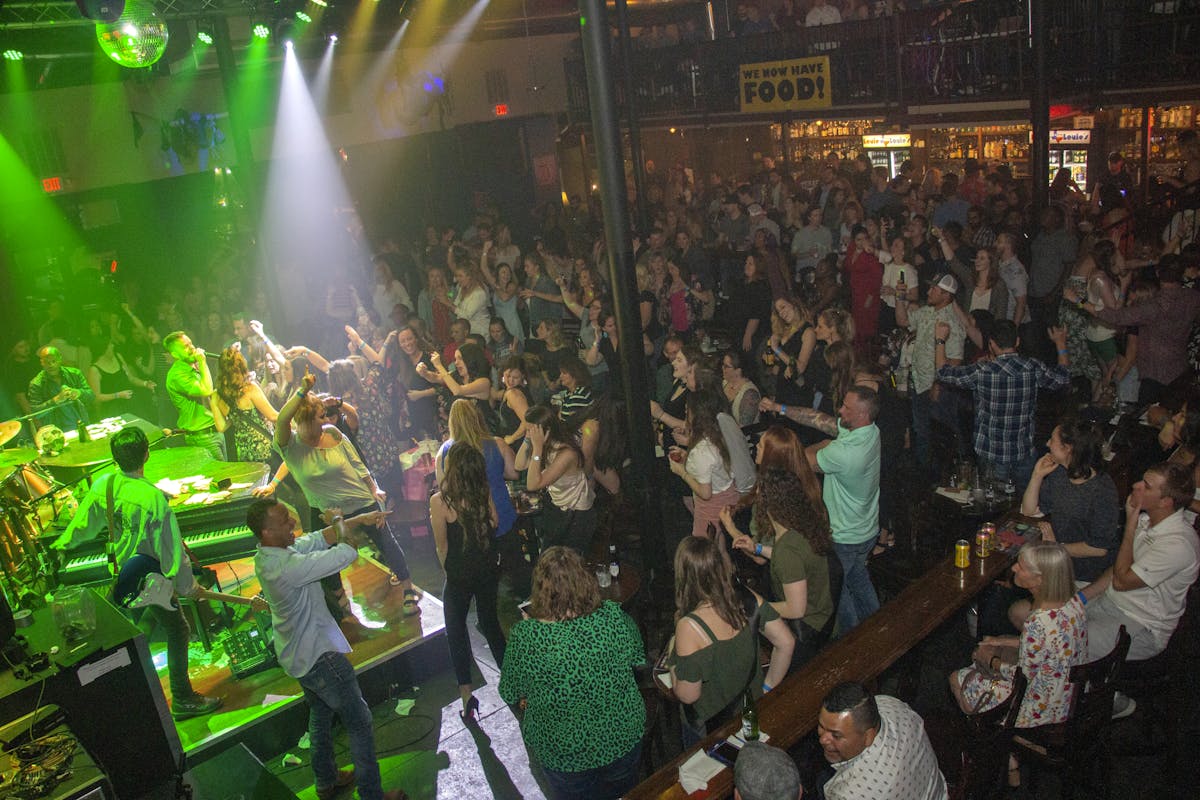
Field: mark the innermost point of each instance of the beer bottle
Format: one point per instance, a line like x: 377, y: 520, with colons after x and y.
x: 749, y: 717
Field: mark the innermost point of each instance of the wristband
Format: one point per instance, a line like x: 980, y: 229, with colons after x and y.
x: 1063, y: 352
x: 1082, y: 597
x: 301, y: 394
x: 275, y: 481
x: 783, y: 409
x: 767, y: 687
x: 758, y: 549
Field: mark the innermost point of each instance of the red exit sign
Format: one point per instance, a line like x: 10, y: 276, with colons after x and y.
x: 52, y: 185
x: 501, y: 109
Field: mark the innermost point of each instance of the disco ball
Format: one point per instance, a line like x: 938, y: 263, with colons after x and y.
x: 137, y: 39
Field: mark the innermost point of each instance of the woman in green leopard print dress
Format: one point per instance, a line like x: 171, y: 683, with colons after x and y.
x: 570, y: 666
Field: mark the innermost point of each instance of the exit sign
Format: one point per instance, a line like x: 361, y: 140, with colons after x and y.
x: 52, y: 185
x: 501, y: 109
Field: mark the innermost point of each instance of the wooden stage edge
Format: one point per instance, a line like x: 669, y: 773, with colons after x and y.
x: 377, y: 630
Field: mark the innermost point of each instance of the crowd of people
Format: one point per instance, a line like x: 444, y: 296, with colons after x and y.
x: 807, y: 343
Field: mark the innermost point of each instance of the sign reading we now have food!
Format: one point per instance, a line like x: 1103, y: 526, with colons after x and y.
x: 796, y: 84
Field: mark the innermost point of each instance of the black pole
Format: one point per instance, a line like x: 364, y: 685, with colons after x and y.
x: 635, y: 132
x: 1039, y: 106
x: 227, y: 64
x: 606, y: 139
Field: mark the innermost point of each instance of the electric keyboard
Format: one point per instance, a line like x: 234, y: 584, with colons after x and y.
x: 219, y: 545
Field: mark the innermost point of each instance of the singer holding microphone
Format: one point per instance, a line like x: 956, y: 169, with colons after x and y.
x: 190, y: 385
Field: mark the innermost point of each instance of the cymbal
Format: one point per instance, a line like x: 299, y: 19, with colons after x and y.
x: 17, y: 456
x: 8, y: 430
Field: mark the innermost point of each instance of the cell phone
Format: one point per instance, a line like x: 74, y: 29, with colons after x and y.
x: 524, y: 607
x: 902, y: 278
x: 724, y: 752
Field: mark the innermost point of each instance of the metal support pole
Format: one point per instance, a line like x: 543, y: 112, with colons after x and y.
x: 635, y: 132
x: 1039, y: 107
x: 606, y: 139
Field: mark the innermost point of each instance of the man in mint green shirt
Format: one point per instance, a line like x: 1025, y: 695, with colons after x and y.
x: 850, y: 463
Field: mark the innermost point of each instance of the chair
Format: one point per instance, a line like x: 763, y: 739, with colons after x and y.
x: 973, y: 749
x: 1074, y: 748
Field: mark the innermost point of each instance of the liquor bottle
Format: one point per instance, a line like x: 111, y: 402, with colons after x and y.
x: 749, y: 717
x: 614, y: 566
x: 82, y: 430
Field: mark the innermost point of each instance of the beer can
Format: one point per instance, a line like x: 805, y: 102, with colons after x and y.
x: 962, y: 554
x: 981, y: 544
x: 993, y: 539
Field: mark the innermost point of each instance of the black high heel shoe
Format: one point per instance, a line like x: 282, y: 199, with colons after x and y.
x: 469, y: 714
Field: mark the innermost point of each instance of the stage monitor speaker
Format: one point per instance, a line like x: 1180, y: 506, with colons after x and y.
x: 236, y: 772
x: 101, y: 10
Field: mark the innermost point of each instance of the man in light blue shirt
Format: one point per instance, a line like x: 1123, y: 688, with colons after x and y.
x: 310, y: 645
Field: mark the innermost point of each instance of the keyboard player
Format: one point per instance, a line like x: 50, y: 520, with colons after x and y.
x: 147, y: 539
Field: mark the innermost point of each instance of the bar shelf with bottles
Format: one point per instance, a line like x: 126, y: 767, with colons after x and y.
x: 816, y: 138
x: 947, y: 148
x: 1166, y: 123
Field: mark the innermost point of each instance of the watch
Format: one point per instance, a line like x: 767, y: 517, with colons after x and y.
x: 537, y: 458
x: 939, y: 341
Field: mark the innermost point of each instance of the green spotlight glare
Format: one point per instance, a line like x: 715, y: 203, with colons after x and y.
x: 300, y: 15
x: 320, y: 3
x: 261, y: 31
x: 13, y: 55
x: 204, y: 38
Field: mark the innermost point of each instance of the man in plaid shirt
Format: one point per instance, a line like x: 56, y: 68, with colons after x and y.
x: 1006, y: 389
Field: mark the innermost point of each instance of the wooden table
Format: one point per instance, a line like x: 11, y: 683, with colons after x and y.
x: 790, y: 711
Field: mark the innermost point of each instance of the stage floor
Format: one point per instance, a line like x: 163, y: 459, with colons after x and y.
x: 378, y: 631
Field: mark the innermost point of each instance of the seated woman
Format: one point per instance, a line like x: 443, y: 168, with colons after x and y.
x: 513, y: 399
x: 555, y: 463
x: 1080, y: 499
x: 1053, y: 639
x: 570, y: 667
x: 798, y: 542
x: 713, y: 656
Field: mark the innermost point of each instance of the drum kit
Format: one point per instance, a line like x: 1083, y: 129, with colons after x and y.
x: 33, y: 505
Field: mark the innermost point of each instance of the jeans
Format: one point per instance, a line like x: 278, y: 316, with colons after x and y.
x: 924, y: 410
x: 331, y: 688
x: 609, y: 781
x: 858, y: 600
x: 1020, y: 471
x: 175, y: 628
x: 456, y: 601
x: 211, y: 441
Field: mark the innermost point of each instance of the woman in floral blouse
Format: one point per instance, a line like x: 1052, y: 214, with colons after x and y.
x: 1053, y: 640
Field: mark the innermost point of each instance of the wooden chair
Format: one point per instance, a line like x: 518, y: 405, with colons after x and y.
x: 1074, y: 749
x: 973, y: 749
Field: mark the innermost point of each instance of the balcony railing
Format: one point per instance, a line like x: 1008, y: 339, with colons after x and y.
x: 953, y: 52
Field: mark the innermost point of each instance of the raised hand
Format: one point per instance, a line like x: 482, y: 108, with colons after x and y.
x: 941, y: 330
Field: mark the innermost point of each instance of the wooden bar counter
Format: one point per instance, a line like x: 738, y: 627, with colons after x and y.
x: 789, y: 712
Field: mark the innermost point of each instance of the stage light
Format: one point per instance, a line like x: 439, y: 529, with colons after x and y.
x: 13, y: 55
x: 320, y: 3
x: 288, y: 45
x: 204, y: 37
x: 261, y: 31
x: 333, y: 38
x: 300, y: 15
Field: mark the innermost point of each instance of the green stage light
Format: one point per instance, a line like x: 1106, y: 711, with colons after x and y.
x: 300, y: 15
x: 261, y: 31
x: 204, y: 38
x: 320, y: 3
x: 13, y: 55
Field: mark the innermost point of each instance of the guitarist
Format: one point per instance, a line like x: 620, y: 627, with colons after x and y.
x: 144, y: 538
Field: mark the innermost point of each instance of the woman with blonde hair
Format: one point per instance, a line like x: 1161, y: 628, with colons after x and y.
x: 468, y: 427
x: 789, y: 349
x: 570, y: 667
x: 1052, y: 641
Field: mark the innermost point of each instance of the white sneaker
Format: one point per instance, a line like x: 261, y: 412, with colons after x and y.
x: 1122, y: 706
